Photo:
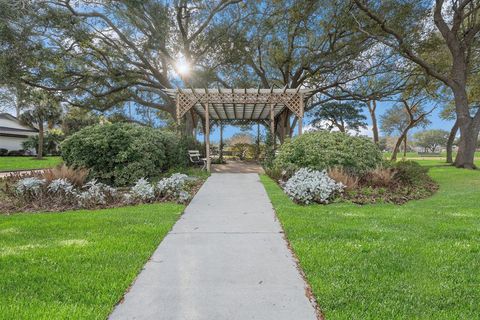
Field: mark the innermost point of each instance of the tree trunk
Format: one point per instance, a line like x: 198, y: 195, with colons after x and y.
x: 40, y: 141
x: 282, y: 123
x: 401, y: 139
x: 372, y: 106
x: 467, y: 146
x: 450, y: 141
x: 189, y: 125
x: 405, y: 147
x: 469, y: 129
x: 20, y: 99
x: 220, y: 155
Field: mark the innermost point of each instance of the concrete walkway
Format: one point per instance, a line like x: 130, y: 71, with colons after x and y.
x: 224, y: 259
x: 237, y: 166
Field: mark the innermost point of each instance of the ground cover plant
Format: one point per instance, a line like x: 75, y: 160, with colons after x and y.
x: 27, y: 163
x: 383, y: 261
x: 76, y: 265
x: 65, y: 188
x: 304, y: 165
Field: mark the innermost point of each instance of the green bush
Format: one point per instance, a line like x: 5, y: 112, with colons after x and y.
x: 410, y: 172
x: 321, y: 150
x: 122, y: 153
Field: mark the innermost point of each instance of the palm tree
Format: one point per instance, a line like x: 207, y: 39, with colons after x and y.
x: 40, y: 109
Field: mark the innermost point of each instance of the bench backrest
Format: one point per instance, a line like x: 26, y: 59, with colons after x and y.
x: 194, y: 155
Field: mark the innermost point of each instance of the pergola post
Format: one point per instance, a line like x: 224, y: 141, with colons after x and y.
x: 207, y: 137
x: 272, y: 123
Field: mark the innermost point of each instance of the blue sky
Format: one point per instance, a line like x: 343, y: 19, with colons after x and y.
x: 437, y: 123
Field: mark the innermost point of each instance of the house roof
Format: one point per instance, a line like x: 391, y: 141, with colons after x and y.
x: 10, y: 129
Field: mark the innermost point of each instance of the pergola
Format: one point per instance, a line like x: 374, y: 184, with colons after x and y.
x: 237, y: 105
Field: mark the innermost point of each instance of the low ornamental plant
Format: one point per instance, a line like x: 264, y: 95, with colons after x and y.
x: 396, y: 183
x: 166, y: 189
x: 142, y: 190
x: 172, y: 187
x: 36, y: 193
x: 95, y: 194
x: 308, y: 186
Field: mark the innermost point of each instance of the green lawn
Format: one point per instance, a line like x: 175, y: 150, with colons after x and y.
x: 415, y: 156
x: 76, y: 265
x: 416, y: 261
x: 26, y: 163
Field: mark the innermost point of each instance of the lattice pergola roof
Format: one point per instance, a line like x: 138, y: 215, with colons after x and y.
x: 239, y: 104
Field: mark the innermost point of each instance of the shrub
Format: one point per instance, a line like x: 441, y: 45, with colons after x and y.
x: 341, y: 175
x: 411, y: 173
x: 321, y: 150
x: 33, y: 193
x: 269, y: 158
x: 143, y: 190
x: 62, y: 192
x: 307, y: 186
x: 180, y: 159
x: 3, y: 152
x: 29, y: 188
x: 96, y: 194
x: 120, y: 153
x: 171, y: 187
x: 61, y: 186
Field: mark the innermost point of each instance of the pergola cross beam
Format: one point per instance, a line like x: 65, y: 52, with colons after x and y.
x: 265, y: 105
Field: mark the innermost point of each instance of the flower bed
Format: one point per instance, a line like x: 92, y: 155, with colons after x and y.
x: 65, y: 189
x: 391, y: 183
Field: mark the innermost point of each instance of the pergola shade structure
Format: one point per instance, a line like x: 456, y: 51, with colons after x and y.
x: 249, y: 105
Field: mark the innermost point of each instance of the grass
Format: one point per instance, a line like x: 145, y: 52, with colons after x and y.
x: 415, y: 156
x: 27, y: 163
x: 420, y: 260
x: 78, y: 264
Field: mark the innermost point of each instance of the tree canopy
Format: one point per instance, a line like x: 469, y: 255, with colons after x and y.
x: 342, y: 116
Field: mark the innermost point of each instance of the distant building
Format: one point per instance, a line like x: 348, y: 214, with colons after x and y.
x: 13, y: 133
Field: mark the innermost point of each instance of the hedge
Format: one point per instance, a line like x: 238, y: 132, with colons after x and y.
x: 121, y: 153
x: 322, y: 149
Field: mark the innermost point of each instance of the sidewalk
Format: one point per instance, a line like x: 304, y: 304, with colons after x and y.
x: 224, y: 259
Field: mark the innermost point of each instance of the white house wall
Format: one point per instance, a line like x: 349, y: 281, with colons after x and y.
x: 11, y: 143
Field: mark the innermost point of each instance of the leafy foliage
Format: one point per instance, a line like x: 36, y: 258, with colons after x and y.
x: 431, y: 139
x: 308, y: 186
x: 121, y: 153
x: 343, y: 116
x: 76, y: 119
x: 395, y: 120
x: 410, y: 172
x: 143, y: 190
x: 322, y: 150
x: 39, y: 192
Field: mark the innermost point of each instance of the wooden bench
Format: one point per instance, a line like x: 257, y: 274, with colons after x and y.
x: 195, y: 158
